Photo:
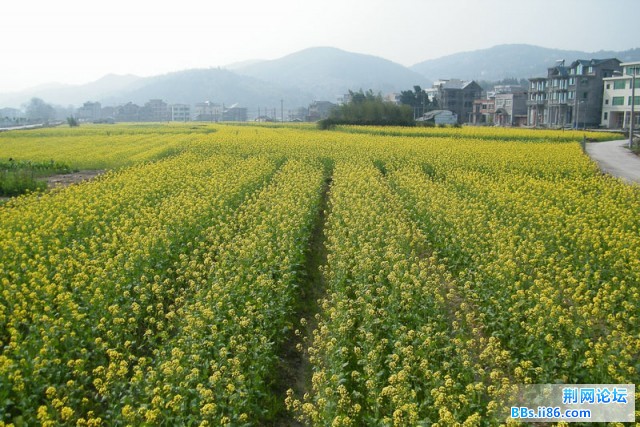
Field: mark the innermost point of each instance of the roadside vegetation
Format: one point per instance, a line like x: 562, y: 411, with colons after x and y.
x: 19, y: 177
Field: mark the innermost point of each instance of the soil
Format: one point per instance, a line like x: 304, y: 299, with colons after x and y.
x: 295, y: 370
x: 66, y: 179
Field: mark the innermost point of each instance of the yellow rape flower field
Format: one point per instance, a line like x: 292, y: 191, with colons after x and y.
x: 281, y: 275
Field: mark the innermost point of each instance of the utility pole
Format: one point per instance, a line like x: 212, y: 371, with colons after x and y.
x: 633, y: 104
x: 282, y: 110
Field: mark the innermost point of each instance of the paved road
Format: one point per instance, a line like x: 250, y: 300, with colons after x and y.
x: 615, y: 159
x: 21, y: 127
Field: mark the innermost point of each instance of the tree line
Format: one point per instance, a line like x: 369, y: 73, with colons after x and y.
x: 369, y: 108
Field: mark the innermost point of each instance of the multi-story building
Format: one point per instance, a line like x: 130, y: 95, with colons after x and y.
x: 558, y: 108
x: 234, y: 114
x: 510, y: 109
x: 537, y: 101
x: 457, y: 96
x: 207, y: 112
x: 90, y: 111
x: 569, y: 95
x: 155, y: 110
x: 127, y: 113
x: 483, y: 111
x: 180, y: 112
x: 616, y: 102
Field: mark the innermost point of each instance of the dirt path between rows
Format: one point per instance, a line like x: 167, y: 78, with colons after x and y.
x: 66, y: 179
x: 295, y: 368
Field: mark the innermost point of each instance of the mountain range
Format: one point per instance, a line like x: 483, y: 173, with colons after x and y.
x: 320, y: 73
x: 510, y: 61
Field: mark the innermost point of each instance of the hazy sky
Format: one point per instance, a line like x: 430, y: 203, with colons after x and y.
x: 77, y: 41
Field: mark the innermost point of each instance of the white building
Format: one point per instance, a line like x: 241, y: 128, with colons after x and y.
x: 207, y: 112
x: 439, y: 117
x: 616, y: 101
x: 180, y: 113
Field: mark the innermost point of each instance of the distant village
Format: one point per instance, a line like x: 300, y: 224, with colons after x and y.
x: 595, y: 93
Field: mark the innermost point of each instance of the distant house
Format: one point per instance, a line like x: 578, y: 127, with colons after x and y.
x: 537, y: 101
x: 319, y: 110
x: 299, y: 114
x: 90, y: 112
x: 207, y: 112
x: 180, y: 112
x: 11, y: 116
x: 510, y: 109
x: 483, y: 111
x: 155, y: 110
x: 616, y: 103
x: 108, y: 114
x: 129, y: 112
x: 458, y: 96
x: 439, y: 117
x: 569, y: 95
x: 234, y: 114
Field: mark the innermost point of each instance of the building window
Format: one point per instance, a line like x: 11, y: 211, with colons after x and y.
x: 637, y: 99
x: 608, y: 85
x: 606, y: 102
x: 585, y: 95
x: 617, y: 100
x: 606, y: 115
x: 619, y: 84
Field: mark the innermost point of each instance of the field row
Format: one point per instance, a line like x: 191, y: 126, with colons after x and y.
x: 169, y: 292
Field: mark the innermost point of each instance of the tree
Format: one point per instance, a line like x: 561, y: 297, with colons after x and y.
x: 368, y: 108
x: 408, y: 97
x: 418, y: 100
x: 72, y: 121
x: 360, y: 96
x: 39, y: 111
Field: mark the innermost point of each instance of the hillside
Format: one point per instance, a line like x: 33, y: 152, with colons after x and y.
x: 509, y: 60
x: 321, y: 73
x: 328, y: 73
x: 61, y: 94
x: 218, y: 85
